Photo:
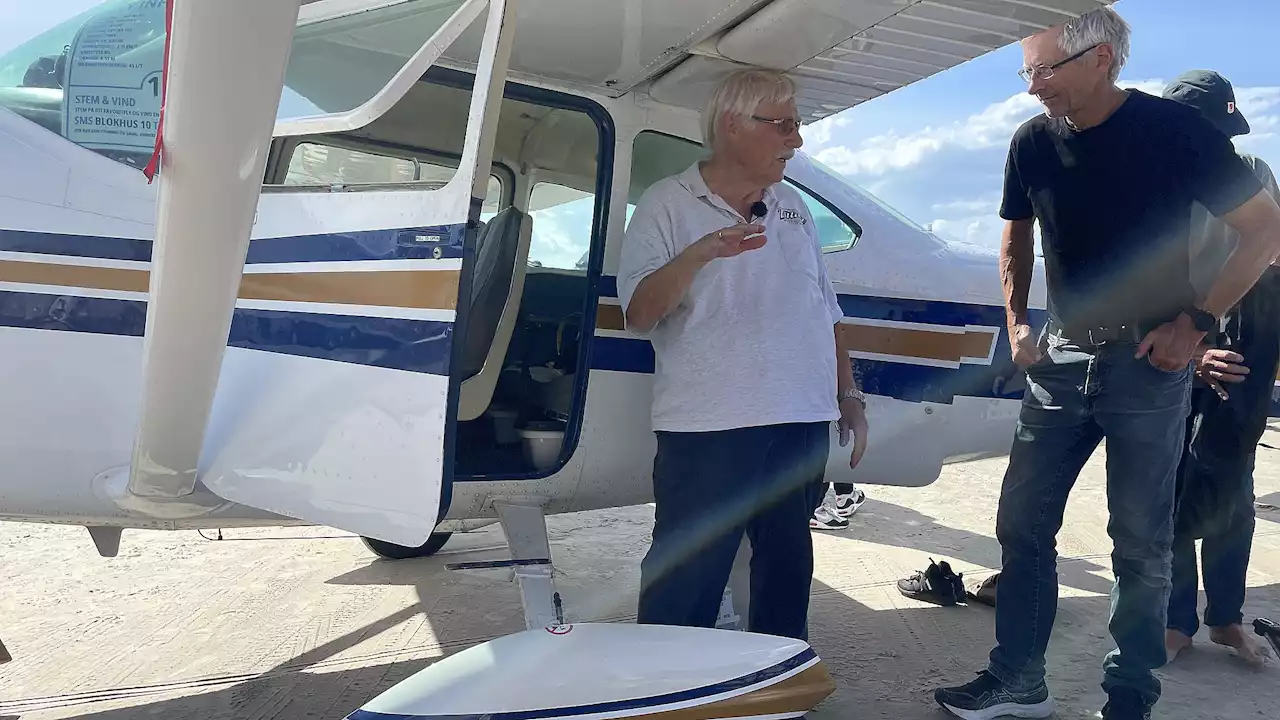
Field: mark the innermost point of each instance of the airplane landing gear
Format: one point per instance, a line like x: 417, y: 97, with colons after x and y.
x: 391, y: 551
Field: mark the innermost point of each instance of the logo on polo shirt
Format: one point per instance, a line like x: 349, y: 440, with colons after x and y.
x: 790, y: 216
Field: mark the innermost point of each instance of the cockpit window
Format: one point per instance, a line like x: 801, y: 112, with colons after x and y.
x: 95, y: 78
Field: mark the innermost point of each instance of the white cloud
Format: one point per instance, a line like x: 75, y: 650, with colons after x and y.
x: 885, y: 153
x: 989, y: 202
x: 561, y: 234
x: 948, y: 176
x: 992, y: 127
x: 1261, y: 107
x: 968, y: 230
x: 819, y: 134
x: 1257, y: 99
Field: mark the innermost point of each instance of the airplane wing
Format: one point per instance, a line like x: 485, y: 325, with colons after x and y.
x: 841, y: 53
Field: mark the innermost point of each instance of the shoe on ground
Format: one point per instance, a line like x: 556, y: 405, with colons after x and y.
x: 937, y: 584
x: 987, y: 698
x: 1125, y: 704
x: 824, y: 518
x: 984, y: 591
x: 846, y: 505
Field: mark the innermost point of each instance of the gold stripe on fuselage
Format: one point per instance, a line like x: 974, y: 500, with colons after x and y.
x: 921, y: 343
x: 924, y: 343
x: 414, y: 289
x: 73, y: 276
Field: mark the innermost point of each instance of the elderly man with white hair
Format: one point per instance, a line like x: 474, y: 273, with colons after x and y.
x: 722, y: 270
x: 1110, y: 176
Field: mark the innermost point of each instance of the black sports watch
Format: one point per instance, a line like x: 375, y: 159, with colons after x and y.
x: 1203, y: 320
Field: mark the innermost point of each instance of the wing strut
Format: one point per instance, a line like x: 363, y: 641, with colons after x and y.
x: 226, y: 70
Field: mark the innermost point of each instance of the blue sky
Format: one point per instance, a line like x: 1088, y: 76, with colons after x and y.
x: 935, y: 150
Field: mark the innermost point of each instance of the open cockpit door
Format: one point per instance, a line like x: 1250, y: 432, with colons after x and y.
x: 301, y: 343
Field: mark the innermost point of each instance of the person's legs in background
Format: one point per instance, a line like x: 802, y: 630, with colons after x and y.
x: 1225, y: 557
x: 848, y: 499
x: 835, y: 515
x: 1217, y: 500
x: 1183, y: 621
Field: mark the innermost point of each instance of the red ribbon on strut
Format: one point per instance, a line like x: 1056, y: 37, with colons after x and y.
x: 153, y: 165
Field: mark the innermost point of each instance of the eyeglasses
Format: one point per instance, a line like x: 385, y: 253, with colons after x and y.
x: 785, y: 126
x: 1044, y: 72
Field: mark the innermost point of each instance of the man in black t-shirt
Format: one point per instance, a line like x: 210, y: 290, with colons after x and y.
x: 1110, y: 175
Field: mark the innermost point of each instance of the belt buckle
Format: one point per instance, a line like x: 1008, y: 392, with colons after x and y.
x: 1103, y: 334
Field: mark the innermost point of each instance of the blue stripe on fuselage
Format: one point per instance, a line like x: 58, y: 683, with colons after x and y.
x: 396, y: 244
x: 413, y: 345
x: 898, y: 380
x: 886, y: 378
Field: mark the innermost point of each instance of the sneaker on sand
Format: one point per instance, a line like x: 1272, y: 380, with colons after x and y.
x: 1125, y: 704
x: 847, y: 505
x: 937, y: 584
x: 824, y: 518
x: 986, y: 698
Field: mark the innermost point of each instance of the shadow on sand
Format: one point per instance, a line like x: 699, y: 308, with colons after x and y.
x: 886, y: 653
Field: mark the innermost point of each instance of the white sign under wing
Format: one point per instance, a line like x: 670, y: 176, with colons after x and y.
x: 114, y: 76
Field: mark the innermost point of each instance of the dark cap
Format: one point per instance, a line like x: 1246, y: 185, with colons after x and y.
x: 1213, y: 96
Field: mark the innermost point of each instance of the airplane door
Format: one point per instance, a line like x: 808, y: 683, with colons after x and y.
x: 336, y: 403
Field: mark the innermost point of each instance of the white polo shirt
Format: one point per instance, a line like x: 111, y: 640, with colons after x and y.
x: 752, y: 342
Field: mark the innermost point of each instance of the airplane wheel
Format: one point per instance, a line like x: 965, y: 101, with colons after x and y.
x: 391, y: 551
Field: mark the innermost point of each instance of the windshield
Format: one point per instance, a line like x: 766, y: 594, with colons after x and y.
x: 95, y: 78
x: 880, y: 203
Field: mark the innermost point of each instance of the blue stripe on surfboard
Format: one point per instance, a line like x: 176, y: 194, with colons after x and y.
x: 656, y: 701
x: 395, y: 244
x: 412, y: 345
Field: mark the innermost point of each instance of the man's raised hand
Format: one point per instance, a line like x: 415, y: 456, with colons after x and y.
x: 730, y: 242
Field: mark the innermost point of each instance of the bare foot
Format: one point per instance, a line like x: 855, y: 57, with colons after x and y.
x: 1234, y: 636
x: 1174, y: 643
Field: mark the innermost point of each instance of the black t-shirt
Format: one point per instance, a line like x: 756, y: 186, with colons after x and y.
x: 1114, y: 206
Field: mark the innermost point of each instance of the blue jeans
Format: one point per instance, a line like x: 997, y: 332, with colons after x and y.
x: 1076, y: 396
x: 1225, y: 557
x: 711, y: 487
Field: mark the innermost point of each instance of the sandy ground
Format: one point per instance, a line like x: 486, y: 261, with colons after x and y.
x: 290, y: 623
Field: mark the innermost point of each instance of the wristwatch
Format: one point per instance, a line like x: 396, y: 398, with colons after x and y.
x: 854, y: 393
x: 1203, y: 320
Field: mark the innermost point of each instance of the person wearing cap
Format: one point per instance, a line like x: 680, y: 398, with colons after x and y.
x: 1216, y: 475
x: 721, y: 269
x: 1108, y: 176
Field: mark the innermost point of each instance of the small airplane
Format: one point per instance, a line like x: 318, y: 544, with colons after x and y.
x: 371, y: 286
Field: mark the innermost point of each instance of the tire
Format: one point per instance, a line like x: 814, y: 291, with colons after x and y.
x: 391, y: 551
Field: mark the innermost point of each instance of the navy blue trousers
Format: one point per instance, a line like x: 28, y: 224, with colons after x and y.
x: 711, y: 487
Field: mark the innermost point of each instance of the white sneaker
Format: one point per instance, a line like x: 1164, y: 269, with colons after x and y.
x: 847, y: 505
x: 824, y: 518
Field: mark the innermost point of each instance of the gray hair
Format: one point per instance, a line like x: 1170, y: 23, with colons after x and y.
x: 1095, y: 27
x: 740, y: 94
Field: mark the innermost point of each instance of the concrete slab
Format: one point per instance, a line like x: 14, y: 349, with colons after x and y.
x: 305, y: 623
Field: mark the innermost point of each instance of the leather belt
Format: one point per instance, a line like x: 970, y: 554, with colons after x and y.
x: 1132, y: 332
